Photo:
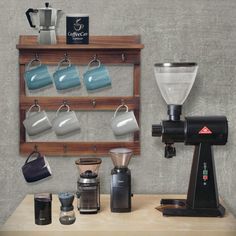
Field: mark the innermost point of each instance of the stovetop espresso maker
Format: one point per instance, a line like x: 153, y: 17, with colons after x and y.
x: 47, y: 23
x: 88, y: 185
x: 175, y: 81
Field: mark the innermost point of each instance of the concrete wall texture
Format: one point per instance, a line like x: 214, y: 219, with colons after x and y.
x: 171, y: 30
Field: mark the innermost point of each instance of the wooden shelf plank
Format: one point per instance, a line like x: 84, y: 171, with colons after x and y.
x: 80, y: 103
x: 76, y: 148
x: 82, y: 57
x: 95, y: 42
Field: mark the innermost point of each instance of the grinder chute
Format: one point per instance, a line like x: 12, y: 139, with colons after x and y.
x: 175, y: 81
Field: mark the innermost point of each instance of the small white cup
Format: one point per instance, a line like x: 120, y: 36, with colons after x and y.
x: 124, y: 123
x: 36, y: 123
x: 65, y: 123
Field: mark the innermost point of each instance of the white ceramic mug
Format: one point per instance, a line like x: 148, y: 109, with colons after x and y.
x: 65, y: 123
x: 36, y: 123
x: 124, y: 123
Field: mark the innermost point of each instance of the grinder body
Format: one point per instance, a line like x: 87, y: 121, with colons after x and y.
x: 202, y: 132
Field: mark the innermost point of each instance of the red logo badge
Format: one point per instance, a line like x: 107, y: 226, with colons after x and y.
x: 205, y: 130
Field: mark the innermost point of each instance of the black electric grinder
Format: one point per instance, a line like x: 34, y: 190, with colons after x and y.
x: 201, y: 131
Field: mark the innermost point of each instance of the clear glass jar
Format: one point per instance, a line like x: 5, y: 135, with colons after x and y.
x: 67, y: 217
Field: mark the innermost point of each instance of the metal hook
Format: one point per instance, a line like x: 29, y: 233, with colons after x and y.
x: 66, y: 56
x: 36, y: 56
x: 65, y: 102
x: 36, y: 103
x: 95, y: 57
x: 36, y: 148
x: 123, y: 57
x: 94, y: 102
x: 122, y: 102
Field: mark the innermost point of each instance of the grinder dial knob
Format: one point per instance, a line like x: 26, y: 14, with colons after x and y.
x: 156, y: 130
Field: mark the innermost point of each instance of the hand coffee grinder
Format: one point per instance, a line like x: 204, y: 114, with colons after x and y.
x: 47, y: 23
x: 88, y: 185
x: 175, y: 81
x: 120, y: 180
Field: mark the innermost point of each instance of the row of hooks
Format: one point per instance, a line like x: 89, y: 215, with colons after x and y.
x: 95, y: 57
x: 65, y: 102
x: 65, y: 148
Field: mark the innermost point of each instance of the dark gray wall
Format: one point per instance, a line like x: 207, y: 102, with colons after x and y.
x: 188, y: 30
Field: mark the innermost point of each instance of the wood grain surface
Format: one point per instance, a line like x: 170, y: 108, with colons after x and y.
x: 143, y: 220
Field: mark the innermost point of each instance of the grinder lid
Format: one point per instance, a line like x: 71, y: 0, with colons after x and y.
x: 88, y: 164
x: 121, y: 156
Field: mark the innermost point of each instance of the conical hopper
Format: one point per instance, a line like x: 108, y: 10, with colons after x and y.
x: 88, y: 164
x: 175, y: 80
x: 121, y: 156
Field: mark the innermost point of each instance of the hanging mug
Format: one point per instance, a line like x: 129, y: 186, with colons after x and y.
x: 124, y: 123
x: 65, y: 123
x: 37, y: 169
x: 96, y: 77
x: 67, y: 77
x: 37, y: 77
x: 36, y: 123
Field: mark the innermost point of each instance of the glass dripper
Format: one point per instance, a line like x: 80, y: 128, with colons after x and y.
x: 175, y: 80
x: 88, y: 167
x: 121, y: 157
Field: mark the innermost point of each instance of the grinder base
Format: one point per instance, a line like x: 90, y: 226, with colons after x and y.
x: 178, y: 207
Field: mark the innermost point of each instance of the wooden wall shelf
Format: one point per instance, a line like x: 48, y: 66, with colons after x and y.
x: 111, y: 50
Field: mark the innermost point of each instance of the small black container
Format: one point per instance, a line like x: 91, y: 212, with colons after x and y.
x: 77, y: 29
x: 43, y: 208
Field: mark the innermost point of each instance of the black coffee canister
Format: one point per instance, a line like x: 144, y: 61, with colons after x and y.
x: 43, y: 208
x: 77, y: 29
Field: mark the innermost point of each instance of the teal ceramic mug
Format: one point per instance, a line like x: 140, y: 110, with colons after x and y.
x: 96, y: 77
x: 67, y: 77
x: 38, y: 76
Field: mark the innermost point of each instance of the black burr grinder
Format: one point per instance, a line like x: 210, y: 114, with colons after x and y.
x: 120, y: 199
x: 175, y: 81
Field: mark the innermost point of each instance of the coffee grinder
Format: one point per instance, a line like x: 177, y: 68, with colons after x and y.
x: 88, y: 185
x: 120, y: 180
x: 67, y: 214
x: 175, y: 81
x: 47, y: 23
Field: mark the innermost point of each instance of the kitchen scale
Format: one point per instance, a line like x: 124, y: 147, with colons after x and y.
x: 175, y: 81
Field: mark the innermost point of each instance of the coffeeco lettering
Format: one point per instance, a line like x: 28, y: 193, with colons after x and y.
x: 77, y: 29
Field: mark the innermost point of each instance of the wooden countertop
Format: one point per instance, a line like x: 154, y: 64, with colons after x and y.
x: 143, y: 220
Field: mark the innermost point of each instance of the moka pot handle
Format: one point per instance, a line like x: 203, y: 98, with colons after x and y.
x: 30, y: 10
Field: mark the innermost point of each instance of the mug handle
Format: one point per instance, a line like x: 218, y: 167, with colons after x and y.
x: 31, y: 154
x: 62, y: 61
x: 92, y: 61
x: 118, y: 108
x: 35, y: 105
x: 30, y: 63
x: 58, y: 110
